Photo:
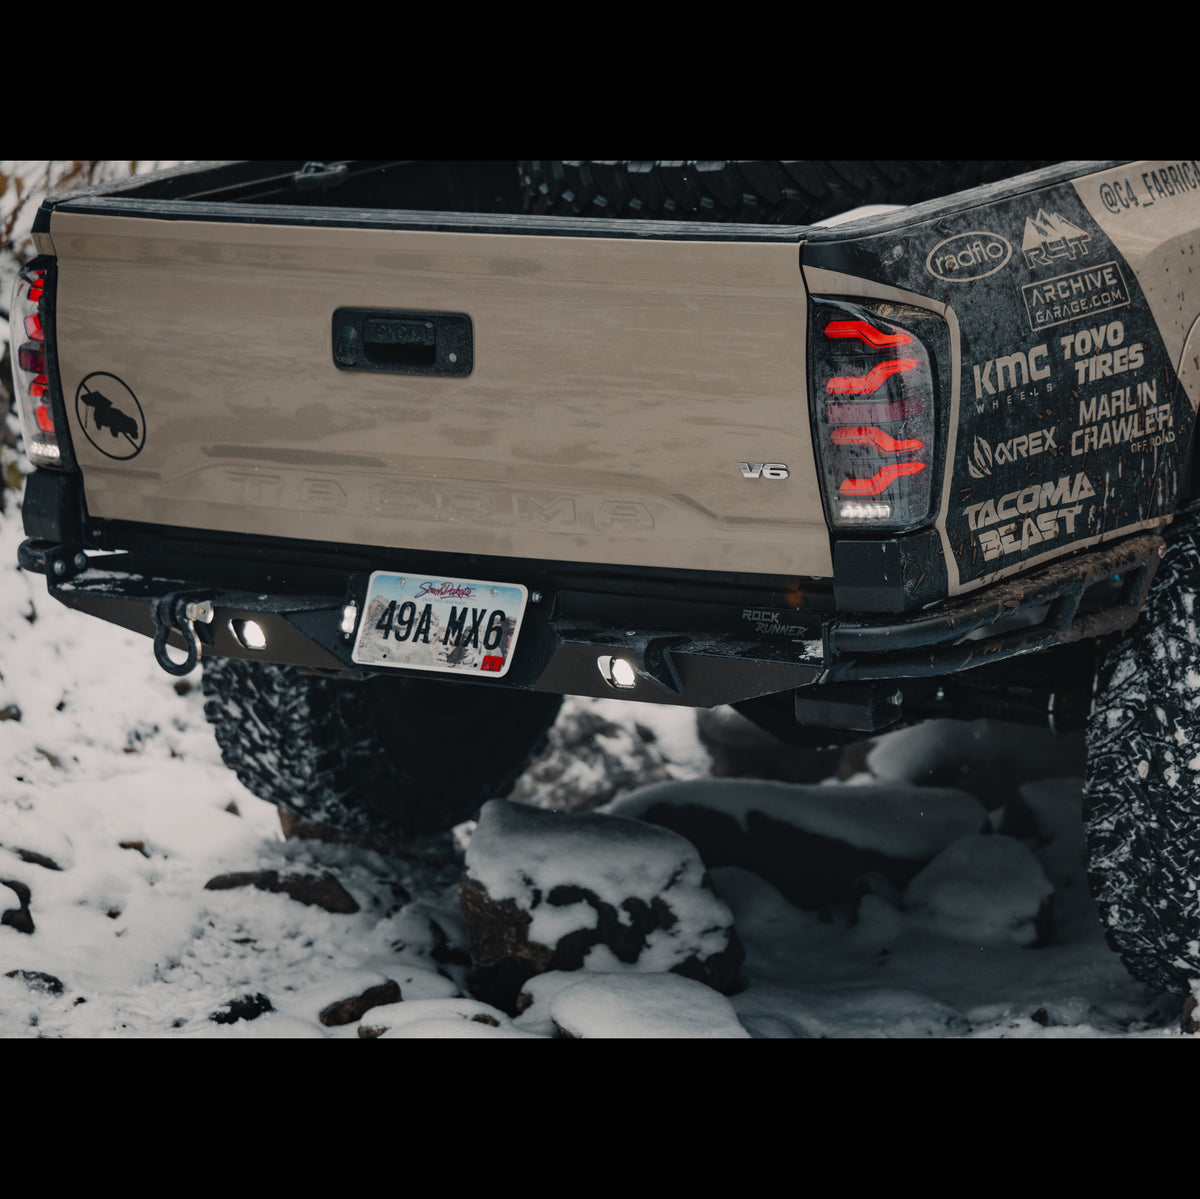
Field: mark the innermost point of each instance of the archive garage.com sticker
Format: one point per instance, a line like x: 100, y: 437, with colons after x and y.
x: 110, y: 416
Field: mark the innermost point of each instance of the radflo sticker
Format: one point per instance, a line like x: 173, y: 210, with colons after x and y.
x: 968, y: 256
x: 110, y: 416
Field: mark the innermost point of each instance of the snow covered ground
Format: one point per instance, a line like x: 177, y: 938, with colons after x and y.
x: 115, y: 811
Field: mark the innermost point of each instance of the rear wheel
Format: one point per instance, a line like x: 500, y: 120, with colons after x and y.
x: 1142, y: 800
x: 380, y: 758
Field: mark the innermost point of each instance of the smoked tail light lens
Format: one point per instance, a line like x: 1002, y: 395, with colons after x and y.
x: 30, y: 381
x: 873, y: 391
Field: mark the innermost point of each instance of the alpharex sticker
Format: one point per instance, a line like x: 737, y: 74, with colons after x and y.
x: 1087, y: 292
x: 1015, y: 449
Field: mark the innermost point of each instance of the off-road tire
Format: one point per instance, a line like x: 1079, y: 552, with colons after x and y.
x: 788, y: 193
x: 379, y: 759
x: 1142, y: 799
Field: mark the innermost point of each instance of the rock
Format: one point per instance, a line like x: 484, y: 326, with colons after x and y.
x: 322, y: 891
x: 559, y: 891
x: 588, y: 760
x: 1187, y: 1019
x: 813, y: 843
x: 38, y: 980
x: 988, y: 890
x: 988, y: 758
x: 37, y: 859
x: 347, y: 1011
x: 741, y: 749
x: 643, y: 1006
x: 246, y: 1007
x: 20, y: 917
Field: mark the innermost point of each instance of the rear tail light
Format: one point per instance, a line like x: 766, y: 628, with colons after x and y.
x: 872, y: 386
x: 30, y: 381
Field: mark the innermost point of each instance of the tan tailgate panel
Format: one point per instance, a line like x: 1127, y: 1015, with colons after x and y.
x: 616, y: 387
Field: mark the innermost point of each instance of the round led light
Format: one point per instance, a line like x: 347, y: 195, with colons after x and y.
x: 617, y: 672
x: 249, y: 633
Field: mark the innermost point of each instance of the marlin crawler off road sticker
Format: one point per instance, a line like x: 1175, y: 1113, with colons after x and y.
x: 1071, y: 421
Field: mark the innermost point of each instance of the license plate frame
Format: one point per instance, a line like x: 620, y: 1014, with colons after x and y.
x: 439, y: 623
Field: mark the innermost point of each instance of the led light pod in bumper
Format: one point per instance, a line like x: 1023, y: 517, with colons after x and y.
x: 873, y: 390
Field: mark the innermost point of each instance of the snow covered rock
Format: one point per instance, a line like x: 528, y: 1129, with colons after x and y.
x: 354, y: 1007
x: 569, y: 891
x: 986, y: 890
x: 988, y: 758
x: 814, y: 843
x: 739, y: 748
x: 589, y: 759
x: 19, y: 917
x: 456, y: 1018
x: 633, y: 1006
x: 38, y: 980
x: 322, y: 891
x: 245, y: 1007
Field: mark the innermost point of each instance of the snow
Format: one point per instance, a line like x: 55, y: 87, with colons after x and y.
x: 115, y: 811
x: 111, y: 775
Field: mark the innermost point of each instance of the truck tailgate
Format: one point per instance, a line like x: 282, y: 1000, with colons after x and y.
x: 616, y: 385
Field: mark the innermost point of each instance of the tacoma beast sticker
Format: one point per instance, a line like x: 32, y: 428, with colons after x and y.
x: 1066, y: 422
x: 111, y: 419
x: 1034, y: 515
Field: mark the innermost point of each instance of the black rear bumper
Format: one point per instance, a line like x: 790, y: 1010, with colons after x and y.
x: 694, y: 646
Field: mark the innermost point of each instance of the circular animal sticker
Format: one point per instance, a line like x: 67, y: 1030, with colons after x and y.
x: 110, y: 416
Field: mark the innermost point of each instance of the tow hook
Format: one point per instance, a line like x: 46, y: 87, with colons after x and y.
x: 179, y: 611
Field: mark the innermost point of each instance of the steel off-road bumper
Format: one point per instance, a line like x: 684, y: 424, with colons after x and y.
x: 570, y: 640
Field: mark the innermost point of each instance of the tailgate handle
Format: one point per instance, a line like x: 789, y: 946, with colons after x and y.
x: 399, y: 341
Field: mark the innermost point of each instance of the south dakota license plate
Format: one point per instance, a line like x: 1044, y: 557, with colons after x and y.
x: 421, y: 622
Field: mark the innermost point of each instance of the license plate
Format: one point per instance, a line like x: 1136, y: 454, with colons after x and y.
x: 424, y: 622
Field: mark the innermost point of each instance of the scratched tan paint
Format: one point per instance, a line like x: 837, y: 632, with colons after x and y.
x: 617, y: 384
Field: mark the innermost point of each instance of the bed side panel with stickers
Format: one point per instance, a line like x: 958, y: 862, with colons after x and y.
x: 1070, y: 306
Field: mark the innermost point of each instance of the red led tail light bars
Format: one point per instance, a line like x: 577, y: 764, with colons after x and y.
x: 30, y: 383
x: 873, y: 413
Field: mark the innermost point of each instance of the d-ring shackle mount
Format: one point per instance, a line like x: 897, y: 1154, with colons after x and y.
x: 179, y: 611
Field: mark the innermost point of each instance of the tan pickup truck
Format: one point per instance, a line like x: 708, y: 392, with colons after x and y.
x: 403, y: 452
